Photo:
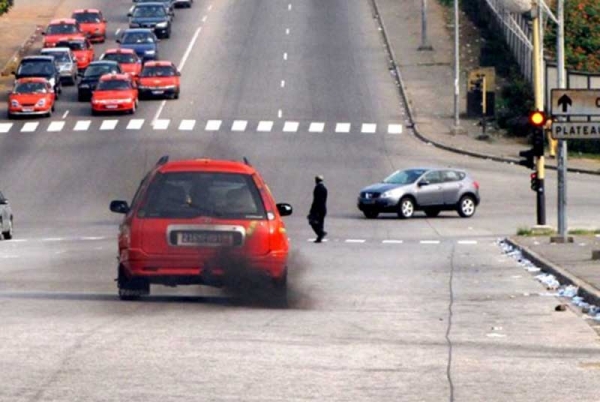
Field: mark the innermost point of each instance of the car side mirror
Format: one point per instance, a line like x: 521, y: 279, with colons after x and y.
x: 13, y: 72
x: 119, y: 207
x: 178, y: 73
x: 4, y: 201
x: 118, y: 41
x: 43, y: 33
x: 284, y: 209
x: 423, y: 183
x: 129, y: 14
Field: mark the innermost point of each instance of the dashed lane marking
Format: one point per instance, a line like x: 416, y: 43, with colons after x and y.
x: 30, y: 127
x: 467, y: 242
x: 342, y: 127
x: 290, y: 126
x: 82, y: 125
x: 108, y: 125
x: 316, y: 127
x: 213, y: 125
x: 392, y: 241
x: 5, y: 127
x: 429, y: 241
x: 368, y: 128
x: 355, y: 240
x: 187, y: 125
x: 135, y: 124
x: 56, y: 126
x: 395, y: 129
x: 239, y: 125
x: 265, y: 126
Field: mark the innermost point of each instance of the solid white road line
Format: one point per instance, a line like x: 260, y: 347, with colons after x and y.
x: 187, y: 125
x: 159, y: 111
x: 189, y: 48
x: 29, y: 127
x: 213, y: 125
x: 161, y: 124
x: 395, y: 129
x: 5, y: 127
x: 392, y: 241
x: 316, y: 127
x: 264, y: 126
x: 56, y: 126
x: 291, y: 126
x: 82, y: 125
x: 135, y: 124
x: 239, y: 125
x: 342, y: 128
x: 429, y: 242
x: 369, y: 128
x: 108, y: 124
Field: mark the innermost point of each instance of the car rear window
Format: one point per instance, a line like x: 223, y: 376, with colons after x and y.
x: 87, y: 17
x: 61, y: 29
x: 120, y: 57
x: 158, y: 71
x: 193, y: 194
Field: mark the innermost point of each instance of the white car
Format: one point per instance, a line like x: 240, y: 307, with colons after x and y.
x: 65, y: 61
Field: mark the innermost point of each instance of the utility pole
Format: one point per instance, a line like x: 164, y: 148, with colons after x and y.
x: 424, y: 42
x: 539, y: 105
x: 562, y: 144
x: 456, y: 68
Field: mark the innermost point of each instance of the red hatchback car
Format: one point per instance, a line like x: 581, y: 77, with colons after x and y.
x: 159, y: 79
x: 61, y: 30
x: 200, y: 222
x: 115, y: 93
x: 82, y: 49
x: 127, y: 58
x: 92, y: 23
x: 31, y: 96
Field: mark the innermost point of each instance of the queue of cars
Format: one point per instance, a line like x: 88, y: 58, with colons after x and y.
x: 68, y: 57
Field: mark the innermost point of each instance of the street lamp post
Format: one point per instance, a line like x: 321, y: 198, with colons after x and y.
x: 424, y: 42
x: 456, y: 68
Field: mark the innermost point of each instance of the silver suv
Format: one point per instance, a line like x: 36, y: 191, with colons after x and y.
x: 6, y: 218
x: 428, y: 190
x: 65, y: 61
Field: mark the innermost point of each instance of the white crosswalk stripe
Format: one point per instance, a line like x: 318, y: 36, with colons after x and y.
x: 239, y: 125
x: 30, y: 127
x: 5, y: 127
x: 290, y: 126
x: 395, y: 129
x: 187, y: 125
x: 82, y: 125
x: 264, y: 126
x: 316, y: 127
x: 108, y: 125
x: 213, y: 125
x: 368, y: 128
x: 342, y: 127
x: 161, y: 124
x: 135, y: 124
x: 56, y: 126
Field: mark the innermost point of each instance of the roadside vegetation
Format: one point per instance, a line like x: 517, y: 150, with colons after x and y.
x: 5, y: 5
x: 532, y: 232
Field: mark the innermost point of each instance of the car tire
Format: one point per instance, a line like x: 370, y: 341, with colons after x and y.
x: 10, y: 116
x: 131, y: 289
x: 279, y: 291
x: 432, y: 212
x: 80, y: 98
x: 134, y: 108
x: 466, y: 206
x: 406, y: 208
x: 176, y: 96
x: 10, y: 232
x: 370, y: 213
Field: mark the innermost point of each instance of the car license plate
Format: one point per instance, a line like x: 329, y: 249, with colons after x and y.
x: 28, y: 109
x: 368, y: 201
x: 204, y: 239
x: 158, y: 92
x: 111, y: 106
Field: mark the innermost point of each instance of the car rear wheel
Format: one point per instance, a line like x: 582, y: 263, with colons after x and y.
x: 131, y: 289
x: 9, y: 233
x: 466, y: 206
x: 432, y: 212
x: 370, y: 213
x: 279, y: 293
x: 406, y: 208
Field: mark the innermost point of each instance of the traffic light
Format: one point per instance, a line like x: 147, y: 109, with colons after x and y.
x: 528, y: 161
x: 535, y: 183
x: 537, y: 121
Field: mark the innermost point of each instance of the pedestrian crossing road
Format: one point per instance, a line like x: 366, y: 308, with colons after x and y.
x: 238, y: 126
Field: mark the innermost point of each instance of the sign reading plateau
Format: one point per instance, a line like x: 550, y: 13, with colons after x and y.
x: 575, y: 102
x: 575, y: 130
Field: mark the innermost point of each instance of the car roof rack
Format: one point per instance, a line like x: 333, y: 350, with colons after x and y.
x: 163, y: 159
x: 246, y: 161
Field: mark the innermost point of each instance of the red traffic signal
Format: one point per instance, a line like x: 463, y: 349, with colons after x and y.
x: 537, y: 118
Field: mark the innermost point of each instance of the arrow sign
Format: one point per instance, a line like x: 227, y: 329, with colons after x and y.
x: 565, y: 101
x: 575, y: 102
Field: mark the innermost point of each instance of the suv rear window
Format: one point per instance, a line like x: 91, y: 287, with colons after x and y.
x: 192, y: 194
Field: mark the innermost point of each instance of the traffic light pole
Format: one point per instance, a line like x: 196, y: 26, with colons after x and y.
x: 562, y: 144
x: 539, y: 105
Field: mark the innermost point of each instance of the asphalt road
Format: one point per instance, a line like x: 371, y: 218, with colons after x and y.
x: 417, y: 310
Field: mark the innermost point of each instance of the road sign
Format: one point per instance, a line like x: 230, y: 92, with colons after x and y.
x: 575, y: 130
x: 575, y: 102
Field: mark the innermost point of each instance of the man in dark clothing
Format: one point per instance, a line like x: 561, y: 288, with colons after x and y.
x: 318, y: 209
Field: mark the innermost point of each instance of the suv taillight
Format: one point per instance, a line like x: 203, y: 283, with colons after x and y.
x: 476, y: 184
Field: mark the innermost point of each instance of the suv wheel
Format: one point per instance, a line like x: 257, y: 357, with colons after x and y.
x: 466, y: 206
x: 131, y: 289
x: 406, y: 208
x: 9, y: 233
x: 370, y: 213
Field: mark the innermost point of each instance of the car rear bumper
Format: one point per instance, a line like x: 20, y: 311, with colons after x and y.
x: 158, y: 92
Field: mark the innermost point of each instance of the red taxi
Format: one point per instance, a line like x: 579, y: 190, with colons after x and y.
x: 115, y: 93
x: 61, y: 30
x: 92, y: 22
x: 127, y: 58
x: 82, y: 49
x: 159, y: 79
x: 201, y: 221
x: 31, y: 96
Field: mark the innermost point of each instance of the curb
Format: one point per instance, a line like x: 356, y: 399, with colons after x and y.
x: 586, y: 290
x: 20, y: 52
x: 413, y: 125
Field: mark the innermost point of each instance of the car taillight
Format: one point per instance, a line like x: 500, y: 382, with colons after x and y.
x: 476, y: 184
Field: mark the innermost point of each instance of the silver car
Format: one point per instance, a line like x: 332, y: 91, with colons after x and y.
x: 424, y: 189
x: 65, y: 61
x: 6, y: 218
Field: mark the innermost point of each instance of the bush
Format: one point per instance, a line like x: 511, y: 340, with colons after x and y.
x: 5, y: 5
